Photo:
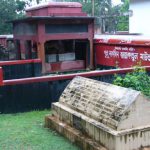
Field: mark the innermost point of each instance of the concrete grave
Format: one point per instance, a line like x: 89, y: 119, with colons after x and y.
x: 97, y: 116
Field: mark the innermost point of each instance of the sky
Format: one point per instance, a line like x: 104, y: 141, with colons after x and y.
x: 116, y: 2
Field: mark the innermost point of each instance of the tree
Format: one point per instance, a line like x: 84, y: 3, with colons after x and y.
x: 118, y: 18
x: 100, y: 6
x: 9, y: 10
x: 29, y: 2
x: 113, y: 18
x: 104, y: 10
x: 123, y: 23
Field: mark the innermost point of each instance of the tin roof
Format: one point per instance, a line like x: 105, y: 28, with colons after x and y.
x: 55, y: 4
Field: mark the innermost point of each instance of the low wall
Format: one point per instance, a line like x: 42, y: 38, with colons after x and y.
x: 19, y: 95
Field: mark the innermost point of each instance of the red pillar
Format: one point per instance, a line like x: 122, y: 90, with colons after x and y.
x: 1, y: 76
x: 41, y: 55
x: 41, y: 42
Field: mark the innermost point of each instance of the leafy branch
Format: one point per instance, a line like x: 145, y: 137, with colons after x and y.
x: 138, y: 80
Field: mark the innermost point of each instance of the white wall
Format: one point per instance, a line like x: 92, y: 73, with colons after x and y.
x: 139, y: 22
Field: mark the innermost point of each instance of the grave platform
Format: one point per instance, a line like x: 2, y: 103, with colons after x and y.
x: 112, y: 117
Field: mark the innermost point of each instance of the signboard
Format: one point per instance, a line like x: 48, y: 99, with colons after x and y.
x: 122, y: 55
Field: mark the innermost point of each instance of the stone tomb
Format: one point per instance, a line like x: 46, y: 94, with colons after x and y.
x: 99, y: 116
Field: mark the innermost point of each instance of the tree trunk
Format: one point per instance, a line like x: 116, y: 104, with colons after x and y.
x: 93, y: 7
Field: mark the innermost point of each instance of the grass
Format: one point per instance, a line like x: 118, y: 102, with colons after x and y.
x: 25, y: 131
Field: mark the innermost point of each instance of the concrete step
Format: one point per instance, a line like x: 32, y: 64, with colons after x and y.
x: 72, y: 134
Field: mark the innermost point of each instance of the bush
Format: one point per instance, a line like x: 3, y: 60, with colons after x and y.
x: 138, y: 80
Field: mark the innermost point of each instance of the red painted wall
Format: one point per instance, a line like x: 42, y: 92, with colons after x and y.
x: 65, y: 66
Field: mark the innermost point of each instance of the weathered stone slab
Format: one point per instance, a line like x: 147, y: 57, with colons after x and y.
x: 102, y: 101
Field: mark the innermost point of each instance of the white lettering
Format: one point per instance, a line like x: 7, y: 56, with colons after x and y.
x: 131, y: 49
x: 117, y: 48
x: 128, y: 55
x: 113, y: 54
x: 145, y: 56
x: 106, y: 52
x: 125, y: 49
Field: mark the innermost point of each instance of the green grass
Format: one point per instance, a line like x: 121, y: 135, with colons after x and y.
x: 25, y: 131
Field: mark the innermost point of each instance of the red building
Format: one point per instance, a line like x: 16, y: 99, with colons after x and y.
x: 58, y: 33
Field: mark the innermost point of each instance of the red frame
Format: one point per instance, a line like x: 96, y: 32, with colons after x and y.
x: 18, y: 62
x: 68, y: 76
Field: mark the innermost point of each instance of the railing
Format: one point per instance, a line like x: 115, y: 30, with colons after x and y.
x: 68, y: 76
x: 19, y: 62
x: 21, y: 68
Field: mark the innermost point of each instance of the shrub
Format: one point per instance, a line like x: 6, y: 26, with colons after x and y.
x: 137, y: 80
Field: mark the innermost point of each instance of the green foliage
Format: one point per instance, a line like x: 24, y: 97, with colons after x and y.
x: 9, y: 10
x: 117, y: 18
x: 123, y: 22
x: 137, y: 80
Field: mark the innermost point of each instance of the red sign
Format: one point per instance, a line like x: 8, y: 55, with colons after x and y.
x: 122, y: 55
